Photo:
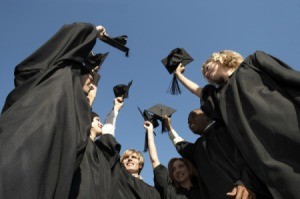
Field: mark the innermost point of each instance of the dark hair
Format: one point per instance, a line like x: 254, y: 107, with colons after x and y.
x: 190, y: 166
x: 93, y: 114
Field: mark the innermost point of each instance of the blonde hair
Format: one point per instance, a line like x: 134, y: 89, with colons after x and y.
x: 226, y: 58
x: 192, y: 170
x: 129, y: 152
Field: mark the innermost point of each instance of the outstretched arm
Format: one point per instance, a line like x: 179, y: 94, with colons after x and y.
x: 190, y: 85
x: 151, y: 145
x: 110, y: 122
x: 173, y: 135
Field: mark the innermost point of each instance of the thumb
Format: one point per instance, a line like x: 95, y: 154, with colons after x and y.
x: 232, y: 193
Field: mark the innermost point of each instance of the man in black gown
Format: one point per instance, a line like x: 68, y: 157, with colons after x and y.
x: 220, y: 165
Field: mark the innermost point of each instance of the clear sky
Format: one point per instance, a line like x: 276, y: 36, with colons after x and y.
x: 154, y: 28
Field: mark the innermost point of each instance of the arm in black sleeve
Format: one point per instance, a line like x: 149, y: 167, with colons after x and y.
x: 110, y: 148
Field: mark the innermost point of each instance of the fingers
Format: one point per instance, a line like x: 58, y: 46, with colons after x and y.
x: 102, y: 31
x: 232, y: 193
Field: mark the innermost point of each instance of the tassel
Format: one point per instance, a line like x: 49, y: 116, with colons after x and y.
x: 174, y: 88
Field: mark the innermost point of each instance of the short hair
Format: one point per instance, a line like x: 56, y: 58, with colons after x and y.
x: 93, y: 114
x: 128, y: 152
x: 226, y: 58
x: 192, y: 170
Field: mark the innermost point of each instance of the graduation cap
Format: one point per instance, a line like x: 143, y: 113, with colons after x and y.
x: 93, y: 60
x: 159, y: 111
x: 171, y: 62
x: 151, y: 118
x: 122, y: 90
x: 117, y: 42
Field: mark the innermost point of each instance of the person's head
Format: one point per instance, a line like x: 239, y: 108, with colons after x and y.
x: 182, y: 171
x: 96, y: 126
x: 133, y: 161
x: 198, y: 121
x: 86, y: 81
x: 220, y: 65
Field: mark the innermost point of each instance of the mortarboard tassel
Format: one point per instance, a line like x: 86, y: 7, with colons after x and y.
x: 174, y: 88
x: 146, y: 142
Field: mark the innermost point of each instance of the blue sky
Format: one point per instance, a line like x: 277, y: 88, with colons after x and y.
x: 154, y: 28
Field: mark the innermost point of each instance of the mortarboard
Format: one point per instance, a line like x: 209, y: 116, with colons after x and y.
x: 159, y: 111
x: 117, y: 42
x: 151, y: 118
x: 122, y: 90
x: 171, y: 62
x: 94, y: 60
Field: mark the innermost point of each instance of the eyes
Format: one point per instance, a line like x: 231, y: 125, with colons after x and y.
x: 207, y: 68
x: 131, y: 157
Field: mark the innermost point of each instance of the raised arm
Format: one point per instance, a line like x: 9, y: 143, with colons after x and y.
x: 110, y: 122
x: 151, y: 145
x: 190, y: 85
x: 173, y: 135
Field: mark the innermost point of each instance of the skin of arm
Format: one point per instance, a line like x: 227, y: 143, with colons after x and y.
x: 151, y: 145
x: 174, y: 137
x: 190, y: 85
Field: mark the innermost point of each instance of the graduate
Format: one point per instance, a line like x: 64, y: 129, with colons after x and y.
x: 46, y: 117
x: 258, y: 100
x: 93, y: 178
x: 129, y: 183
x: 221, y: 167
x: 181, y: 181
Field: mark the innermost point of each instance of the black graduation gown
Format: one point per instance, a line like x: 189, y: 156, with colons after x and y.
x: 93, y: 178
x: 260, y: 106
x: 126, y: 186
x: 167, y: 190
x: 45, y: 120
x: 220, y: 164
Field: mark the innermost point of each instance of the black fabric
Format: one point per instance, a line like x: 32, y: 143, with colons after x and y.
x: 163, y: 184
x: 220, y: 164
x: 260, y: 106
x: 93, y: 178
x: 126, y: 186
x: 45, y: 121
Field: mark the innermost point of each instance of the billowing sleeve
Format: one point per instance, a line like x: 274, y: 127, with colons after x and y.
x: 110, y: 123
x: 162, y: 182
x: 71, y: 43
x: 110, y: 148
x: 186, y: 150
x: 210, y: 102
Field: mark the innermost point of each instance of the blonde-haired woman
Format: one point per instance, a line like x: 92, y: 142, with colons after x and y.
x: 258, y: 100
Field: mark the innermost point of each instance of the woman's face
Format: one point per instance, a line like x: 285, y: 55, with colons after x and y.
x: 97, y: 126
x: 181, y: 172
x: 132, y: 163
x: 214, y: 72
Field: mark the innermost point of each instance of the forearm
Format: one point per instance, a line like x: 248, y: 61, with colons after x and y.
x: 152, y: 150
x: 190, y: 85
x: 110, y: 123
x: 174, y: 137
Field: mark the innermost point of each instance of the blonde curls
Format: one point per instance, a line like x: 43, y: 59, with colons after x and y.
x: 226, y: 58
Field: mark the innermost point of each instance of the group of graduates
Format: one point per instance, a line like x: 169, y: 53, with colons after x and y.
x: 52, y: 145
